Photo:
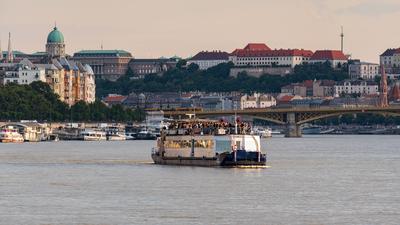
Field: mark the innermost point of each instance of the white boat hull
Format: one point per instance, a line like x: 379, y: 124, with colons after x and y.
x: 116, y: 138
x: 89, y: 138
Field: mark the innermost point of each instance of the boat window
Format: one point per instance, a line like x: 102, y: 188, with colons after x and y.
x: 238, y: 146
x: 223, y: 146
x: 177, y: 144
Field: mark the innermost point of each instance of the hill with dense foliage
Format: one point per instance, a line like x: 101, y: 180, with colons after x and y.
x: 216, y: 79
x: 38, y: 102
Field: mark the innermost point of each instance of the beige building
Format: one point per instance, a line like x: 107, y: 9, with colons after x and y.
x: 206, y: 59
x: 24, y: 72
x: 390, y: 59
x: 257, y: 100
x: 55, y: 78
x: 363, y: 70
x: 359, y: 87
x: 106, y: 64
x: 323, y: 88
x: 143, y: 67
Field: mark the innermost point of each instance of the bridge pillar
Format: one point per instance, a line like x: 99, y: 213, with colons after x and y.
x: 292, y: 128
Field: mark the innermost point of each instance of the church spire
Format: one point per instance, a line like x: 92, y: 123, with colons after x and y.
x: 10, y: 56
x: 383, y: 95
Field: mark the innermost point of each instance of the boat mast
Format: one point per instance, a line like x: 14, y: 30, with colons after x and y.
x: 236, y: 125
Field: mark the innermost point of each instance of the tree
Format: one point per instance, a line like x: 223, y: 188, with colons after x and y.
x: 38, y: 102
x: 181, y: 63
x: 217, y: 79
x: 193, y: 67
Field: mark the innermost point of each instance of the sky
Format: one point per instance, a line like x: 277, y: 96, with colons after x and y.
x: 155, y: 28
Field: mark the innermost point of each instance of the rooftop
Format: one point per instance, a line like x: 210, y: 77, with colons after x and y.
x: 272, y: 53
x: 357, y: 82
x: 257, y: 47
x: 214, y: 55
x: 115, y: 98
x: 391, y: 52
x: 55, y: 36
x: 102, y: 53
x: 328, y: 55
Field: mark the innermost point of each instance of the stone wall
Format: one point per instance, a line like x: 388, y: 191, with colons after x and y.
x: 258, y: 71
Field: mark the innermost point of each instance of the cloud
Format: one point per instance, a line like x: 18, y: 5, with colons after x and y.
x: 371, y: 8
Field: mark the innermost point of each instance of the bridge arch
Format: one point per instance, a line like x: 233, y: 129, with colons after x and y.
x: 269, y: 119
x: 337, y: 114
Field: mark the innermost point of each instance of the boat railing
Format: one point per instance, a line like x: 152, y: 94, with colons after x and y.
x: 206, y: 131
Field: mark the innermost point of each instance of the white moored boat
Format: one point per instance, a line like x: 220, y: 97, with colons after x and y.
x: 115, y: 133
x: 263, y: 132
x: 10, y: 135
x: 93, y: 135
x: 116, y: 137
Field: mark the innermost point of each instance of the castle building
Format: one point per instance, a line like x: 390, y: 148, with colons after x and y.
x: 143, y: 67
x: 206, y: 59
x: 71, y: 80
x: 335, y: 57
x: 55, y: 46
x: 106, y: 64
x: 260, y: 55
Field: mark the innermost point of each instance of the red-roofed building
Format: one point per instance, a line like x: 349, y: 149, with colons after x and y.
x: 205, y: 59
x: 257, y: 47
x: 334, y: 57
x: 259, y: 55
x: 114, y: 99
x: 303, y: 89
x: 310, y: 88
x: 285, y: 99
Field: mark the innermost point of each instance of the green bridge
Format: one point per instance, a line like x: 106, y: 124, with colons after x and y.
x: 293, y: 118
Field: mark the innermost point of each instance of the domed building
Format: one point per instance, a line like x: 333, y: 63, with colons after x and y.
x: 55, y: 46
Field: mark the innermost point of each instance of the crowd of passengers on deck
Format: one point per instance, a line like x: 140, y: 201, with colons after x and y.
x: 207, y: 128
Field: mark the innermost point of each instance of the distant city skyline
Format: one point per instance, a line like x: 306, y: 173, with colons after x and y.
x: 157, y: 28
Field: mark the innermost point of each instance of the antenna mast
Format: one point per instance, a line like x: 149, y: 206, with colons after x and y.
x: 341, y: 38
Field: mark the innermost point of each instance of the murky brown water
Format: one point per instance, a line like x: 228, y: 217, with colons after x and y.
x: 312, y: 180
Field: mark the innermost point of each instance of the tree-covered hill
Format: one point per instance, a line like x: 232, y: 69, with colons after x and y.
x: 215, y: 79
x: 38, y: 102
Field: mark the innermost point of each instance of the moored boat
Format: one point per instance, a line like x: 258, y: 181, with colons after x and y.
x: 10, y: 135
x: 115, y: 133
x: 146, y: 135
x: 263, y: 132
x: 93, y: 135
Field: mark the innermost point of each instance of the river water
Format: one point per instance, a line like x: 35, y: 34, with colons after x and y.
x: 310, y: 180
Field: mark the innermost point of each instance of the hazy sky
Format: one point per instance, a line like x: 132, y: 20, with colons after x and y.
x: 153, y: 28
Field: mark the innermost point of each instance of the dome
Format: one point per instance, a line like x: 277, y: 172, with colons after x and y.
x: 55, y: 36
